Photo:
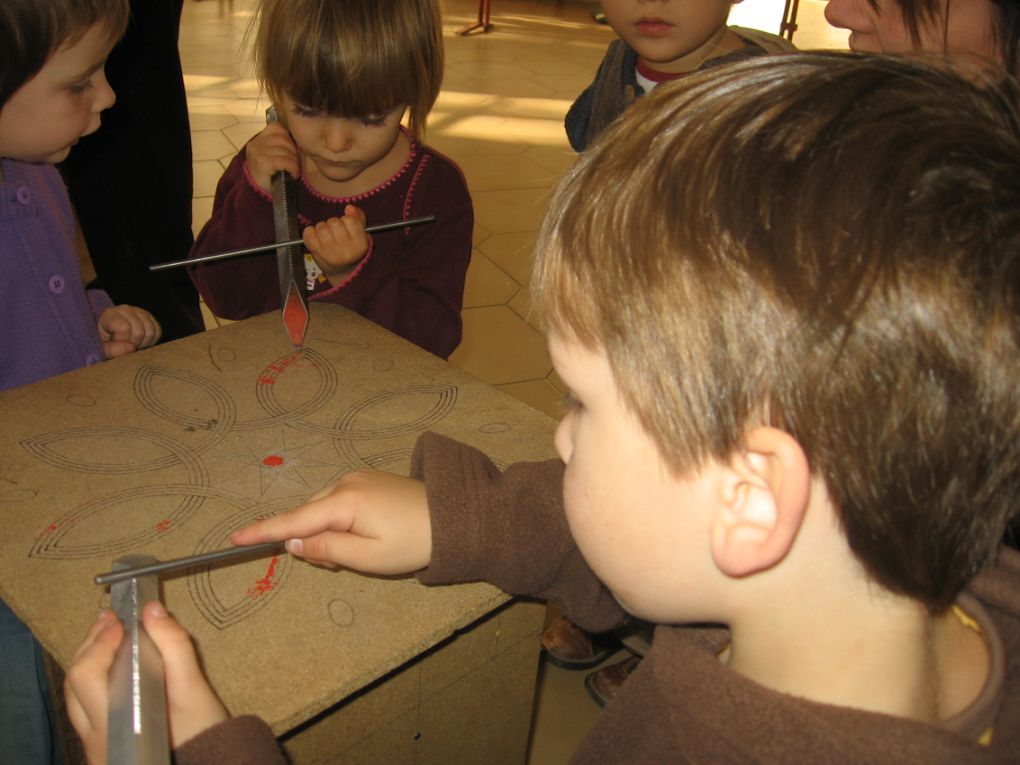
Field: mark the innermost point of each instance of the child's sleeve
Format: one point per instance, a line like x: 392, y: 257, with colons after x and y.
x: 417, y: 289
x: 431, y: 285
x: 244, y: 739
x: 507, y: 528
x: 242, y: 217
x: 99, y: 301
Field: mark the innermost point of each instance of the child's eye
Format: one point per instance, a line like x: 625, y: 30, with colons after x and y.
x: 81, y: 87
x: 304, y: 111
x: 374, y: 120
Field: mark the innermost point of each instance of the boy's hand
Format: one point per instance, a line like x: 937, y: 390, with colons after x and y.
x: 268, y: 153
x: 337, y: 244
x: 369, y: 521
x: 124, y: 329
x: 86, y: 685
x: 192, y: 705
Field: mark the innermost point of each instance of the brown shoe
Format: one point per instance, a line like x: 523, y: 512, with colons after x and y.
x: 603, y: 685
x: 567, y: 646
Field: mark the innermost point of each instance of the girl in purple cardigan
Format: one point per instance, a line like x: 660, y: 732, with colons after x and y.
x: 52, y: 89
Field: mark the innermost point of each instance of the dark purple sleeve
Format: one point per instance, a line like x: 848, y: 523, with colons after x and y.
x: 507, y: 528
x: 243, y: 740
x: 241, y: 217
x: 414, y: 285
x: 432, y: 283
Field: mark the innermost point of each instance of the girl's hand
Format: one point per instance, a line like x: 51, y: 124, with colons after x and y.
x: 124, y: 329
x: 192, y: 705
x: 368, y: 521
x: 268, y: 153
x: 338, y: 244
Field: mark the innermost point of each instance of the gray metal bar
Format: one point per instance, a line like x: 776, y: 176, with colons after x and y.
x: 137, y: 719
x: 153, y: 566
x: 378, y: 228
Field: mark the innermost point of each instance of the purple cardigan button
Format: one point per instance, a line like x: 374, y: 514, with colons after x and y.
x: 92, y: 358
x: 57, y: 284
x: 24, y: 195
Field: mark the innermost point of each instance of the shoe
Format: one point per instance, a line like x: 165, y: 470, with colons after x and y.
x: 603, y: 684
x: 567, y: 646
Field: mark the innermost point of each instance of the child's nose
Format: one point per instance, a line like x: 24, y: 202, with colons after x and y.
x: 336, y: 135
x: 105, y: 97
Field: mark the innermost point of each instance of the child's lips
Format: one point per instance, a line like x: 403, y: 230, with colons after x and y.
x: 340, y: 164
x: 653, y: 27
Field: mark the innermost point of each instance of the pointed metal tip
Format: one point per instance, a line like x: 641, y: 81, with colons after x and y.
x: 295, y: 316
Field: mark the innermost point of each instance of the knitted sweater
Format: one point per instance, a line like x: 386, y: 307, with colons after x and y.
x: 411, y: 281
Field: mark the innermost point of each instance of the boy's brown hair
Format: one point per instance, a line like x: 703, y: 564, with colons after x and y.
x: 356, y: 58
x: 829, y: 244
x: 33, y: 30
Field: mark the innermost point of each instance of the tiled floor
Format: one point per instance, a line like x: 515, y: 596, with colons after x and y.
x: 500, y: 117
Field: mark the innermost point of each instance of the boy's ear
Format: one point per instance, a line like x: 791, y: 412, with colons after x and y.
x: 764, y: 495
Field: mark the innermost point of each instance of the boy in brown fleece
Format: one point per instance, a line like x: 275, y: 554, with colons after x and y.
x: 794, y: 438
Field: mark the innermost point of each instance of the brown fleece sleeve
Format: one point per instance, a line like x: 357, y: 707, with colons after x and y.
x: 507, y: 528
x: 245, y: 740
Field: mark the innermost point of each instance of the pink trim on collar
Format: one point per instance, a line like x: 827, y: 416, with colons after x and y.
x: 412, y: 156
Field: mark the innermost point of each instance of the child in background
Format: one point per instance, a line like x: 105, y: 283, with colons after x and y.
x: 794, y: 438
x: 341, y: 76
x: 659, y: 42
x: 52, y: 89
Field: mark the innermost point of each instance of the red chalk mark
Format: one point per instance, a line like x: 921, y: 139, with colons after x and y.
x: 164, y: 525
x: 265, y: 584
x: 51, y: 528
x: 277, y: 367
x: 273, y: 460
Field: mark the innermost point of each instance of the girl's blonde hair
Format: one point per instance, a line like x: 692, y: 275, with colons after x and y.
x: 354, y: 58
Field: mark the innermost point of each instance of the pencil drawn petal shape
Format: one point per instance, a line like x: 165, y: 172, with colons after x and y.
x: 112, y: 451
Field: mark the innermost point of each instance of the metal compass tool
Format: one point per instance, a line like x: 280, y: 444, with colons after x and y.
x: 290, y: 257
x: 136, y: 718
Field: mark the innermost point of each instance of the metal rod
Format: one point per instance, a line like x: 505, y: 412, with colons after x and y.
x: 118, y: 575
x: 136, y: 715
x: 267, y: 247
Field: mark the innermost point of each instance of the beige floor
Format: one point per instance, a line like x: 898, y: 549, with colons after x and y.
x: 500, y: 117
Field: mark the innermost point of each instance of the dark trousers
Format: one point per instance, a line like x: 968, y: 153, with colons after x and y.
x: 131, y: 180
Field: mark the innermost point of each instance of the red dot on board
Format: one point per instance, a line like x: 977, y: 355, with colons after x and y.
x: 273, y: 460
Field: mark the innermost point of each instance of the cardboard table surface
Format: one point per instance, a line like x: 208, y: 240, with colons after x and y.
x: 168, y: 450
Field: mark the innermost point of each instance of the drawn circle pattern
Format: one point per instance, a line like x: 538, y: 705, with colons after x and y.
x: 51, y: 544
x: 220, y: 606
x: 220, y: 610
x: 265, y: 389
